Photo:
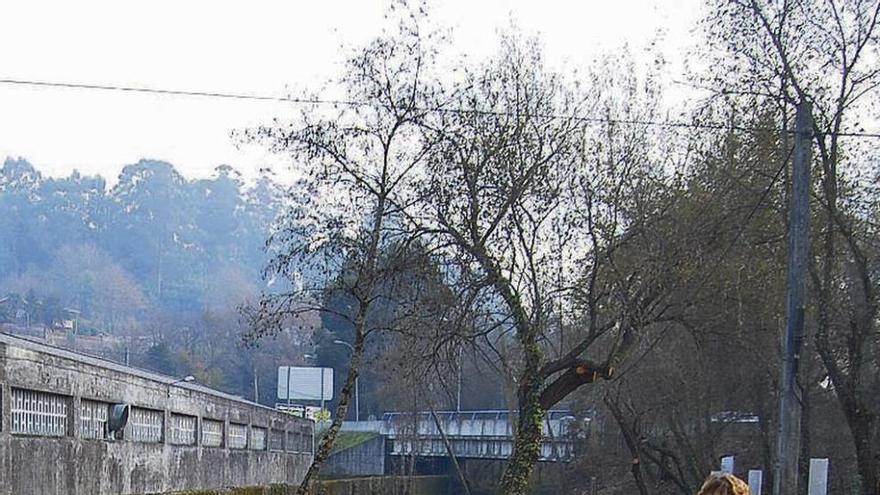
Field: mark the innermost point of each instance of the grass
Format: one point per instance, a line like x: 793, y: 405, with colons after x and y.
x: 349, y: 439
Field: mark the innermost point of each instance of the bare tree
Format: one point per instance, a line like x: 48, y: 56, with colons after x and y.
x: 343, y: 231
x: 527, y: 205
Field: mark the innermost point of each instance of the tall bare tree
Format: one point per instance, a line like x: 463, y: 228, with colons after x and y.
x: 526, y: 202
x: 342, y: 232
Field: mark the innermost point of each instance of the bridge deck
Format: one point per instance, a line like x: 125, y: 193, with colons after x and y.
x: 471, y: 434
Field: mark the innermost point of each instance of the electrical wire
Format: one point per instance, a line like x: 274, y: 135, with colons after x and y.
x: 351, y: 103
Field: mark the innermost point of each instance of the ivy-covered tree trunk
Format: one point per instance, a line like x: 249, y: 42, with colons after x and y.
x: 528, y: 437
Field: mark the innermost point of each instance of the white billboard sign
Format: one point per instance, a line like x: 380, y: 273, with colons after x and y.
x: 304, y: 383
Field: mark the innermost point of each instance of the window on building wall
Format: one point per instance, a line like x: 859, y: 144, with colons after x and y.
x: 293, y: 443
x: 276, y: 440
x: 299, y: 439
x: 183, y: 429
x: 212, y: 433
x: 258, y: 438
x: 146, y: 425
x: 237, y: 436
x: 305, y: 439
x: 39, y: 413
x: 93, y: 419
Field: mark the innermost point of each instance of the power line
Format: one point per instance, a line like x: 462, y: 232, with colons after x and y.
x: 319, y: 101
x: 169, y: 92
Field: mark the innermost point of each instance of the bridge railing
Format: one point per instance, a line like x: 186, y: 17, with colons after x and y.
x: 474, y: 434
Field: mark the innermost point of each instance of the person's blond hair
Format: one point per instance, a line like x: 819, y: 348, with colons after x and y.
x: 724, y: 484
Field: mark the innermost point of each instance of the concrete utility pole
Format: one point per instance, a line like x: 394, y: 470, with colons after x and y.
x: 785, y: 480
x: 458, y: 390
x: 257, y: 386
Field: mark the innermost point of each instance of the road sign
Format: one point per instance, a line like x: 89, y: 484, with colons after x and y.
x: 305, y: 383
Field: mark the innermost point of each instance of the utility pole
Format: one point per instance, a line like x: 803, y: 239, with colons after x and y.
x: 322, y: 396
x: 458, y: 390
x: 257, y: 386
x: 785, y: 480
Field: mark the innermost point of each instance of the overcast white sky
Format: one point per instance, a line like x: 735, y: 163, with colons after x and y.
x: 256, y: 46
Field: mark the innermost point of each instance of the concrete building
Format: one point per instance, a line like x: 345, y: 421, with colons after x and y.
x: 59, y: 409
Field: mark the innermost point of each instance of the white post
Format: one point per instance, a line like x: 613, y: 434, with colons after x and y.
x: 727, y: 464
x: 818, y: 477
x: 756, y: 479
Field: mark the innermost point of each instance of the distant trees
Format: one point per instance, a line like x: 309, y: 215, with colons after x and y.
x: 155, y: 235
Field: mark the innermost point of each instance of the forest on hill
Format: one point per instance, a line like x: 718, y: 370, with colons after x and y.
x: 155, y: 266
x: 155, y: 239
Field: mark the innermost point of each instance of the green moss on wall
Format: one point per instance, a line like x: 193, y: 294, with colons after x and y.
x: 250, y: 490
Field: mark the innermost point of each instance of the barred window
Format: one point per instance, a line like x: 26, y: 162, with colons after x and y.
x: 305, y: 439
x: 212, y: 433
x: 258, y: 438
x: 294, y: 439
x: 276, y: 440
x: 183, y: 429
x: 146, y: 425
x: 39, y: 413
x: 293, y: 442
x: 93, y: 419
x: 237, y: 438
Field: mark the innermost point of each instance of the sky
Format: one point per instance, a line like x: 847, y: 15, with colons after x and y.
x: 264, y: 47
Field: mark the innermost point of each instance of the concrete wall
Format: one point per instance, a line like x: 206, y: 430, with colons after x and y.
x: 365, y: 459
x: 71, y: 465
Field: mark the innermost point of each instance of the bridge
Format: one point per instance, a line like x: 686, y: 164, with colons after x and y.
x: 470, y: 434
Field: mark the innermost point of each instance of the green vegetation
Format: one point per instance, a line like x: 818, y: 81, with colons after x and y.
x: 349, y: 439
x: 278, y: 489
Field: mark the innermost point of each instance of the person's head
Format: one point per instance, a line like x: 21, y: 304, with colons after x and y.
x: 724, y: 484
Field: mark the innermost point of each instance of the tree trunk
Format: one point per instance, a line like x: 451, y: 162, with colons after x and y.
x: 527, y: 441
x: 866, y: 452
x: 526, y: 450
x: 451, y: 452
x: 341, y: 410
x: 629, y: 437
